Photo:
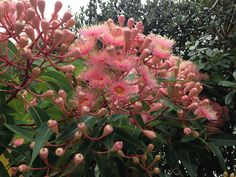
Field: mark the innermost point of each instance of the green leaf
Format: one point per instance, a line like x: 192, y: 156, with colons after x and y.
x: 43, y: 134
x: 189, y: 162
x: 39, y: 115
x: 227, y: 84
x: 218, y: 154
x: 222, y: 139
x: 3, y: 171
x: 229, y: 98
x: 57, y: 78
x: 22, y: 132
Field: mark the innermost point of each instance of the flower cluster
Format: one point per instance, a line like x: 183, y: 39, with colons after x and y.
x: 126, y: 73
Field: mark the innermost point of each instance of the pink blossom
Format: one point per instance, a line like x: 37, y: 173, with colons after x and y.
x: 119, y: 91
x: 147, y: 77
x: 95, y: 30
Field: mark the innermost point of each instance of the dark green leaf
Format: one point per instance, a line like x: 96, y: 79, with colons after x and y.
x: 218, y: 154
x: 223, y: 139
x: 189, y: 162
x: 22, y: 132
x: 43, y: 134
x: 39, y: 115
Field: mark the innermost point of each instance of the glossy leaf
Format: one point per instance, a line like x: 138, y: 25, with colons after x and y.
x: 189, y: 162
x: 39, y: 115
x: 22, y: 132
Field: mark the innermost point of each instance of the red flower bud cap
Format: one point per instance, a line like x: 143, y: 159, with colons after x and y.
x: 118, y: 146
x: 43, y: 153
x: 187, y: 131
x: 57, y: 7
x: 19, y: 26
x: 41, y: 6
x: 67, y: 68
x: 59, y: 152
x: 23, y: 168
x: 121, y: 20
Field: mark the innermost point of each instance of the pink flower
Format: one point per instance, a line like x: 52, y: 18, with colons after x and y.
x: 85, y: 44
x: 96, y: 78
x: 161, y: 46
x: 95, y: 30
x: 207, y: 111
x: 119, y: 91
x: 122, y: 63
x: 114, y: 37
x: 147, y: 77
x: 88, y: 99
x: 98, y: 58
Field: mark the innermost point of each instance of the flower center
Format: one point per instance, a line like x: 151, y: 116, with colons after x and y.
x: 119, y: 90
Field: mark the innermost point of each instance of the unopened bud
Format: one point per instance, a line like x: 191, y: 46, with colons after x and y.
x: 19, y: 26
x: 130, y: 23
x: 30, y: 14
x: 23, y: 42
x: 149, y: 134
x: 43, y: 153
x: 232, y: 175
x: 187, y: 131
x: 147, y: 41
x: 36, y: 72
x: 66, y: 17
x: 121, y: 20
x: 34, y: 3
x: 193, y: 92
x: 78, y: 135
x: 67, y: 68
x: 57, y: 36
x: 78, y: 159
x: 225, y: 174
x: 82, y: 127
x: 57, y: 7
x: 157, y: 158
x: 19, y: 8
x: 18, y: 142
x: 26, y: 54
x: 59, y: 152
x: 68, y: 36
x: 41, y: 6
x: 32, y: 145
x: 23, y: 168
x: 59, y: 102
x: 70, y: 23
x: 195, y: 133
x: 117, y: 146
x: 144, y: 158
x: 107, y: 130
x: 53, y: 125
x: 62, y: 94
x: 74, y: 53
x: 145, y: 53
x: 156, y: 107
x: 138, y: 106
x: 136, y: 160
x: 150, y: 148
x: 48, y: 94
x: 30, y: 32
x: 45, y: 26
x: 156, y: 170
x: 102, y: 112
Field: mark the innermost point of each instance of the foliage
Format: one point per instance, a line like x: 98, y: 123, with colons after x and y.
x: 113, y: 95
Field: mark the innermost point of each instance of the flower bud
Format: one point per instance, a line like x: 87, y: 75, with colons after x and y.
x: 36, y: 72
x: 121, y: 20
x: 30, y: 32
x: 193, y: 92
x: 41, y: 6
x: 66, y: 17
x: 30, y: 14
x: 23, y: 168
x: 78, y: 135
x: 53, y: 125
x: 34, y: 3
x: 139, y: 25
x: 156, y: 107
x: 36, y: 22
x: 70, y: 23
x: 145, y: 53
x: 130, y: 23
x: 144, y: 157
x: 26, y: 54
x: 19, y: 26
x: 18, y: 142
x: 204, y: 102
x: 67, y: 68
x: 48, y: 94
x: 157, y: 157
x: 156, y: 170
x: 43, y: 153
x: 147, y: 41
x: 59, y: 152
x: 78, y: 159
x: 23, y: 42
x: 232, y: 175
x: 57, y: 7
x: 149, y: 134
x: 59, y: 102
x: 32, y: 145
x: 117, y: 146
x: 62, y: 94
x: 138, y: 106
x: 74, y: 53
x: 195, y: 133
x: 19, y: 8
x: 225, y: 174
x: 108, y: 129
x: 150, y: 148
x: 102, y: 112
x: 136, y: 160
x: 82, y: 127
x: 85, y: 110
x: 187, y: 131
x: 57, y: 37
x: 68, y: 36
x: 45, y: 26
